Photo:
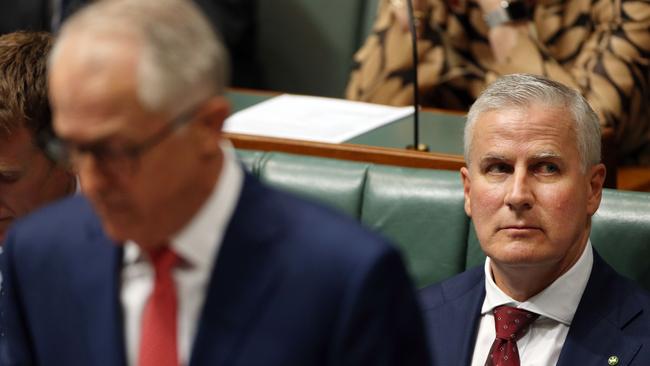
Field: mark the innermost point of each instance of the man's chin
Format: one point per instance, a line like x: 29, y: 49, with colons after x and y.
x: 520, y: 253
x: 116, y: 229
x: 4, y: 227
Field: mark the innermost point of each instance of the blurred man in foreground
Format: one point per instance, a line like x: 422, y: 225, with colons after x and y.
x: 175, y: 255
x: 544, y: 297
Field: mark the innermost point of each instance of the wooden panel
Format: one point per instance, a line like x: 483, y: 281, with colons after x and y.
x: 634, y: 178
x: 370, y: 154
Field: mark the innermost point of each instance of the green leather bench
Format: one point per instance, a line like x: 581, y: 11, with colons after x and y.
x: 421, y: 210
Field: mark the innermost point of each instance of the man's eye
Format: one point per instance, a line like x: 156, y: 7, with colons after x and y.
x: 547, y: 168
x: 9, y: 177
x: 97, y: 151
x: 499, y: 168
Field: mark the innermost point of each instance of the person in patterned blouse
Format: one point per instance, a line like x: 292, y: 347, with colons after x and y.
x: 599, y: 47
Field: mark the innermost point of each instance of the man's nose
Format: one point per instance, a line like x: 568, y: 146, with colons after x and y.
x: 519, y: 195
x: 92, y: 175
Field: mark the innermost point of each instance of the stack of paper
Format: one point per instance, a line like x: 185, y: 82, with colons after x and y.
x: 313, y: 118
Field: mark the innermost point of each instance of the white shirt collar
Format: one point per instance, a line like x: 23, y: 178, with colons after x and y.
x: 559, y: 301
x: 199, y: 241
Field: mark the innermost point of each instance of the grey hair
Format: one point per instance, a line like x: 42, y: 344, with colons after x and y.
x: 183, y: 59
x: 520, y: 91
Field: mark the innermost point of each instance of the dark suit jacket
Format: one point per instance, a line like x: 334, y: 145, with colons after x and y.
x: 235, y: 20
x: 613, y: 318
x: 294, y: 284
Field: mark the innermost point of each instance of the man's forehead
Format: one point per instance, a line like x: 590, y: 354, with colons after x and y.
x: 537, y: 127
x: 16, y: 146
x: 534, y: 155
x: 94, y: 53
x: 93, y: 87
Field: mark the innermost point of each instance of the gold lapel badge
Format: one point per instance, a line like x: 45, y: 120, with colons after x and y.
x: 612, y: 360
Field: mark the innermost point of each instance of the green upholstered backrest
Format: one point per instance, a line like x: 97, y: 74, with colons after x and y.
x: 421, y: 210
x: 251, y: 160
x: 621, y: 233
x: 336, y: 183
x: 306, y: 46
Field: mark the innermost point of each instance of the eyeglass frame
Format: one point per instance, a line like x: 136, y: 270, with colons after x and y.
x: 60, y: 151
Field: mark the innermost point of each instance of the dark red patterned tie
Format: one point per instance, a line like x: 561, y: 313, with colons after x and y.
x: 159, y: 335
x: 511, y: 324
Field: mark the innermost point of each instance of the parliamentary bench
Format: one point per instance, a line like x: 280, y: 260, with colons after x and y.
x: 421, y: 210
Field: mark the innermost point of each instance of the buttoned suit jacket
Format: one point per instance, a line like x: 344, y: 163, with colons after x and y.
x: 612, y: 319
x: 293, y: 284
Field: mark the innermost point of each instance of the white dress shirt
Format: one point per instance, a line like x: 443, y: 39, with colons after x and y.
x: 556, y: 305
x: 198, y: 245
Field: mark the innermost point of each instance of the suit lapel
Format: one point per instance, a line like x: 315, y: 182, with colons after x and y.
x: 596, y: 331
x: 455, y: 321
x: 95, y: 275
x: 243, y: 278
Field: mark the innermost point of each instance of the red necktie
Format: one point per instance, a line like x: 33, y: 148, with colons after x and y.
x: 158, y: 334
x: 511, y: 324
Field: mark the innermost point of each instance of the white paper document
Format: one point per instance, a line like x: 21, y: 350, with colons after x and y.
x: 312, y: 118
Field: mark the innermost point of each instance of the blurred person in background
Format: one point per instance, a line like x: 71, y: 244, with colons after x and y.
x: 600, y: 48
x: 28, y: 178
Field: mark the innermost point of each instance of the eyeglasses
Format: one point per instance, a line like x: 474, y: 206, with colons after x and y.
x: 111, y: 159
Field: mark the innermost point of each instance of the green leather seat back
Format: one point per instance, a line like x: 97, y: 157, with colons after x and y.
x: 336, y: 183
x: 306, y: 46
x: 621, y: 233
x: 250, y: 159
x: 475, y: 256
x: 421, y: 210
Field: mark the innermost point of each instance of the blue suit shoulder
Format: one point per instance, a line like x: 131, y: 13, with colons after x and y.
x: 61, y: 224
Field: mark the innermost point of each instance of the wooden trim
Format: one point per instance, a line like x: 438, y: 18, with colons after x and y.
x: 363, y: 153
x: 634, y: 178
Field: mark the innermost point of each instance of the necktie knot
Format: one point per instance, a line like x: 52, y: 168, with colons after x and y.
x: 163, y: 260
x: 511, y: 323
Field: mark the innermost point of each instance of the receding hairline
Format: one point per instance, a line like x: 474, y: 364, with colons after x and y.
x: 560, y: 108
x: 100, y: 39
x: 182, y: 60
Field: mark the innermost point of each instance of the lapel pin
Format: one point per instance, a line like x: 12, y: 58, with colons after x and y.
x: 612, y: 360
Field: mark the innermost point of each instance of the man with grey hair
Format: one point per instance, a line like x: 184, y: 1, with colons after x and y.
x: 532, y: 182
x: 174, y: 255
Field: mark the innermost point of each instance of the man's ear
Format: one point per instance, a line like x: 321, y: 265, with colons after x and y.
x: 596, y: 176
x: 464, y: 175
x: 214, y: 112
x: 210, y: 120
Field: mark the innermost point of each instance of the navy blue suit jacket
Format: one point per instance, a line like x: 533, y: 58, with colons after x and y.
x: 612, y: 319
x: 294, y: 284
